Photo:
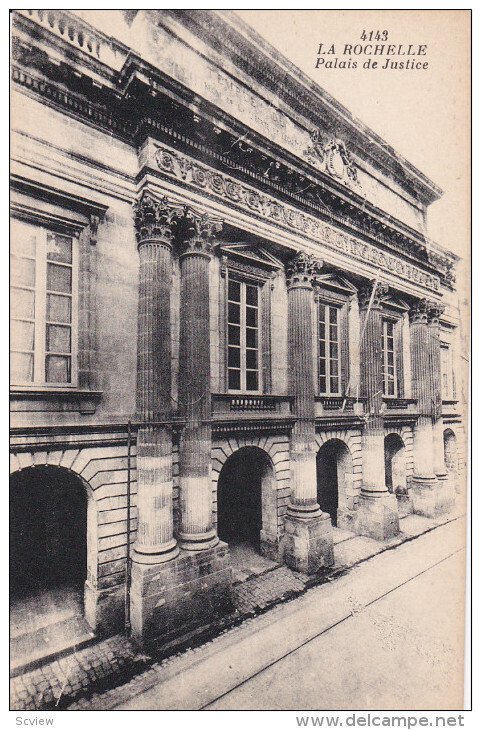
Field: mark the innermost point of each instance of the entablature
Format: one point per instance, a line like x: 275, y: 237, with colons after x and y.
x: 129, y: 105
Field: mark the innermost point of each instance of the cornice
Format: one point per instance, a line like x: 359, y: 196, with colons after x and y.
x: 130, y: 112
x: 230, y: 36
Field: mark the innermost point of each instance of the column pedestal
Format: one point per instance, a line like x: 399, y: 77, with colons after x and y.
x: 180, y: 597
x: 307, y: 543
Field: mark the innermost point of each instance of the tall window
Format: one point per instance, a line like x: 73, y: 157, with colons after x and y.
x: 43, y: 289
x: 329, y: 366
x: 243, y: 336
x: 388, y: 359
x: 447, y: 372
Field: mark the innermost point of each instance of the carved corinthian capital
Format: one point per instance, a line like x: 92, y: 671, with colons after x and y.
x: 419, y: 311
x: 372, y: 293
x: 155, y: 218
x: 435, y: 310
x: 197, y: 230
x: 304, y: 269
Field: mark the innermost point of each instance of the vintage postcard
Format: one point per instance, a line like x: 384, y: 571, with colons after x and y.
x: 240, y: 316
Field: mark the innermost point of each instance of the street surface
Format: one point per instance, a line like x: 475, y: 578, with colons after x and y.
x: 388, y: 635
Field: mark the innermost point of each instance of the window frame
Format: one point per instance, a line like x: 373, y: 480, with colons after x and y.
x: 244, y: 281
x: 327, y: 306
x: 450, y: 392
x: 42, y: 228
x: 386, y: 320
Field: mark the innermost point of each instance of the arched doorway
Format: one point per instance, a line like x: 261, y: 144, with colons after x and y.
x: 48, y: 558
x: 48, y: 530
x: 246, y: 502
x: 334, y: 470
x: 395, y: 465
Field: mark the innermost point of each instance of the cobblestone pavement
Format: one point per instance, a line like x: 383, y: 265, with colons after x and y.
x: 91, y: 678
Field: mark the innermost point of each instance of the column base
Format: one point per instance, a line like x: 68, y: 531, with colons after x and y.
x: 194, y: 542
x: 428, y: 497
x: 153, y: 556
x: 307, y: 544
x: 377, y: 516
x: 169, y: 601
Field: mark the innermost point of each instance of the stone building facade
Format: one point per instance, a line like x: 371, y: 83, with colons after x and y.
x: 228, y: 323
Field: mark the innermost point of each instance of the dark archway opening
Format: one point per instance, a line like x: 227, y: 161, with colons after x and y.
x: 48, y: 530
x: 394, y: 464
x: 48, y: 564
x: 239, y: 496
x: 450, y: 450
x: 331, y: 458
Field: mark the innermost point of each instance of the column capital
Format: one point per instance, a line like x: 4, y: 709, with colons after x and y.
x: 155, y: 218
x: 373, y: 291
x: 197, y: 230
x: 434, y: 312
x: 419, y: 311
x: 302, y: 270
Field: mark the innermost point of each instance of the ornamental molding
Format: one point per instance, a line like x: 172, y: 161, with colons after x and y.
x: 179, y: 167
x: 444, y: 263
x: 372, y: 294
x: 197, y: 230
x: 435, y: 311
x: 419, y: 311
x: 332, y: 157
x: 303, y: 269
x: 155, y: 218
x: 426, y: 311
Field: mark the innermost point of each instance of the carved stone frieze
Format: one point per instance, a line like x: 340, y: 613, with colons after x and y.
x: 214, y: 183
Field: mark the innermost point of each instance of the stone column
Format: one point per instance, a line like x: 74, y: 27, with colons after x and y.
x: 377, y: 514
x: 154, y: 223
x: 154, y: 220
x: 424, y: 486
x: 445, y: 495
x: 196, y: 530
x: 307, y: 543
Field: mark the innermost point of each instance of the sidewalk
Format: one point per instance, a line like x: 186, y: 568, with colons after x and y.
x: 99, y: 676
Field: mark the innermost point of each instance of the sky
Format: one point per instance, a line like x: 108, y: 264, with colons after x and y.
x: 423, y: 114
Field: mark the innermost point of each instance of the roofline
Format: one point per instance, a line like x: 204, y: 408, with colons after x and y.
x: 264, y: 48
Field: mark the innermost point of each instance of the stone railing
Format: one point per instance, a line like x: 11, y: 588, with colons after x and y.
x: 250, y: 405
x: 80, y: 34
x: 399, y: 404
x: 338, y: 404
